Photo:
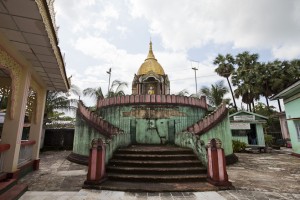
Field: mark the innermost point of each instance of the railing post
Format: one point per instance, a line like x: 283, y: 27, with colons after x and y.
x: 96, y: 169
x: 216, y: 168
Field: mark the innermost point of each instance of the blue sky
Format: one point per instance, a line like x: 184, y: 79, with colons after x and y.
x: 98, y: 34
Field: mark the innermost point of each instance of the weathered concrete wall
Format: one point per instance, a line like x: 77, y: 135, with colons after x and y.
x: 192, y: 141
x: 84, y: 134
x: 292, y: 110
x: 198, y: 142
x: 222, y: 132
x: 152, y: 124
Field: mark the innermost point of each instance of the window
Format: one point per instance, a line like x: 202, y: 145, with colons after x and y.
x: 297, y: 125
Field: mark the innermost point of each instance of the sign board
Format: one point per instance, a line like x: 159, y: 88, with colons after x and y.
x: 239, y: 126
x: 244, y: 118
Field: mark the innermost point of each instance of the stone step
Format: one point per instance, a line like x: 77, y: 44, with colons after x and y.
x: 14, y: 192
x: 155, y: 156
x: 152, y: 170
x: 157, y: 178
x: 154, y: 187
x: 155, y: 163
x: 6, y: 184
x: 154, y: 149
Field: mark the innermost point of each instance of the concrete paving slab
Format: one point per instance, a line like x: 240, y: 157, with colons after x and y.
x: 274, y: 175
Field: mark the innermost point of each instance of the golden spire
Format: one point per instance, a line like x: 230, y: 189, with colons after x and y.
x: 150, y: 53
x: 150, y: 64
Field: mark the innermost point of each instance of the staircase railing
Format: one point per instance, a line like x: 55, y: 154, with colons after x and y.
x: 3, y: 149
x: 209, y: 121
x: 192, y: 137
x: 153, y: 99
x: 101, y: 125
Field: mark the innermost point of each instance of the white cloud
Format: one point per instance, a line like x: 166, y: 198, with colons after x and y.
x: 124, y: 64
x: 244, y: 24
x: 110, y: 12
x: 84, y: 15
x: 286, y: 51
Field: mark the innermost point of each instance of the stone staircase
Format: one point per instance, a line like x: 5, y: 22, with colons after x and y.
x: 155, y: 168
x: 10, y: 189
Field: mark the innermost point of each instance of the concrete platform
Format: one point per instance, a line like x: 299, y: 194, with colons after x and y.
x: 274, y: 175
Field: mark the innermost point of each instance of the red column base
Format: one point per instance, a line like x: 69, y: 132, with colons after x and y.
x: 95, y: 182
x: 219, y: 183
x: 36, y: 164
x: 14, y: 175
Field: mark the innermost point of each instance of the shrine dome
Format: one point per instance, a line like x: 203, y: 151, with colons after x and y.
x: 150, y: 64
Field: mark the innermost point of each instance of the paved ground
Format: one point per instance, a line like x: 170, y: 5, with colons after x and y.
x: 274, y: 175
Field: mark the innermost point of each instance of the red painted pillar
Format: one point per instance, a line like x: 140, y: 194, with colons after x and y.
x: 96, y: 169
x: 216, y: 168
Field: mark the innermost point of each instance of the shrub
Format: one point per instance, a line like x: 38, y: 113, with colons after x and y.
x: 268, y: 140
x: 238, y: 146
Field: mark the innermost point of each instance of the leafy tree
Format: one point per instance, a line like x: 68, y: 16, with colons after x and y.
x: 4, y: 93
x: 215, y: 94
x: 273, y: 124
x: 225, y: 69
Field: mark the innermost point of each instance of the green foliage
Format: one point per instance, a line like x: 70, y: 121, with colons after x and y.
x: 273, y: 124
x: 254, y: 79
x: 238, y: 146
x: 225, y: 69
x: 215, y: 94
x: 268, y: 140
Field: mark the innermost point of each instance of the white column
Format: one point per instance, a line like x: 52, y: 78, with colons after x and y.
x: 13, y: 128
x: 36, y: 127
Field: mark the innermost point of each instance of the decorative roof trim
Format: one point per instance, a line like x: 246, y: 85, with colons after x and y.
x: 251, y: 113
x: 46, y: 17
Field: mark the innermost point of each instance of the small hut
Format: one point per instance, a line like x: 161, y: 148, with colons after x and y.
x: 248, y: 127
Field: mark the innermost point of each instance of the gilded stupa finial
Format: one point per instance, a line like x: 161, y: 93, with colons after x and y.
x: 150, y: 54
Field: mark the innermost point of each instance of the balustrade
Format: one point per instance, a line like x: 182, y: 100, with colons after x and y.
x: 25, y: 154
x: 153, y: 99
x: 3, y: 149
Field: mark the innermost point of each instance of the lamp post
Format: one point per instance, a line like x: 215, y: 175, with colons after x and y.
x: 195, y: 69
x: 109, y: 72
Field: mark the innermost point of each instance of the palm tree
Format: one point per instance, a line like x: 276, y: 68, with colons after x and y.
x: 215, y: 94
x: 117, y: 88
x: 57, y: 101
x: 263, y: 79
x: 225, y: 69
x: 95, y: 93
x: 183, y: 92
x: 74, y: 89
x: 245, y: 78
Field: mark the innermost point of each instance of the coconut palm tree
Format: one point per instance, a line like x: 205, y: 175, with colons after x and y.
x: 57, y: 101
x: 225, y: 69
x: 94, y: 93
x: 214, y: 94
x: 183, y: 92
x: 117, y: 88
